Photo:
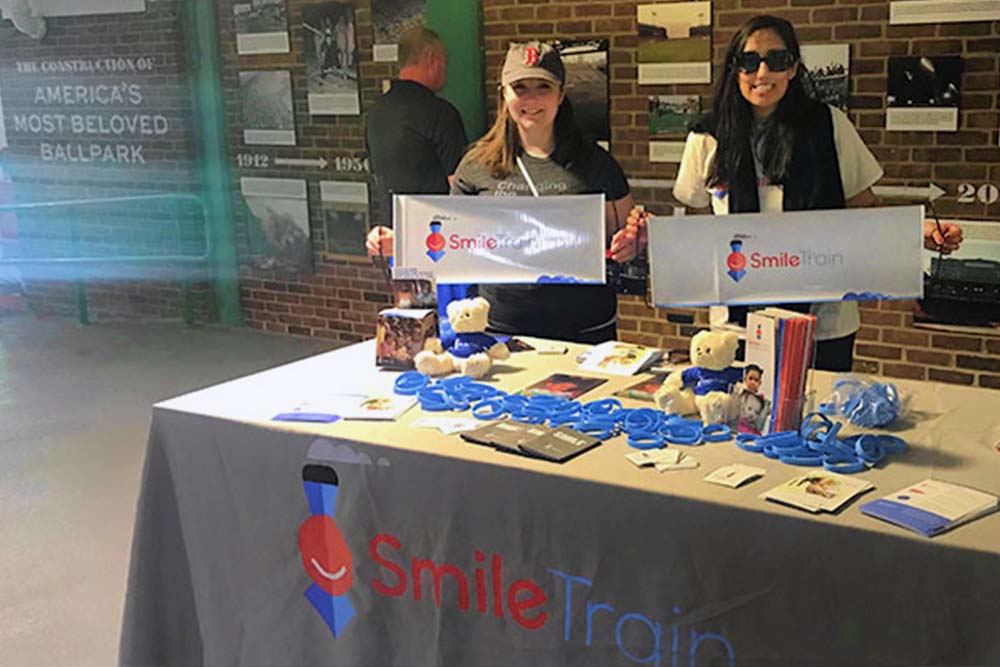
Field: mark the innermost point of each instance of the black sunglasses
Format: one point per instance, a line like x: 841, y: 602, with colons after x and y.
x: 778, y: 60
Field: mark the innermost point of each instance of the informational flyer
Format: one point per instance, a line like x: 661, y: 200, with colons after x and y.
x: 909, y: 12
x: 268, y: 114
x: 81, y: 7
x: 331, y: 56
x: 675, y: 42
x: 261, y: 27
x: 279, y: 227
x: 672, y: 115
x: 345, y: 216
x: 924, y: 93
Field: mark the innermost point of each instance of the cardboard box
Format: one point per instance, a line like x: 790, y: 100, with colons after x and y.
x: 400, y: 334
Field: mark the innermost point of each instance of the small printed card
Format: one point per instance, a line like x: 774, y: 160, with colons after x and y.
x: 818, y: 491
x: 684, y: 462
x: 734, y: 475
x: 447, y: 425
x: 617, y: 358
x: 649, y: 457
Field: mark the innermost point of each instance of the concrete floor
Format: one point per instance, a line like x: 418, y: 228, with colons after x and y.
x: 74, y: 414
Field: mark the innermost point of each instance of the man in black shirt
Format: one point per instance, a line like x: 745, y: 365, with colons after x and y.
x: 415, y: 138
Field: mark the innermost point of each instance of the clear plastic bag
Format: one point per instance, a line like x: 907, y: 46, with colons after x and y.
x: 865, y: 402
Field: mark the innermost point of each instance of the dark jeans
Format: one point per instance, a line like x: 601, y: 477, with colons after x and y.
x: 836, y: 354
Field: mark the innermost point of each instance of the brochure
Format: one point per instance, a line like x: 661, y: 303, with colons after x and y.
x: 644, y: 389
x: 818, y: 491
x: 376, y: 407
x: 734, y: 475
x: 561, y: 384
x: 779, y: 352
x: 932, y: 507
x: 618, y: 358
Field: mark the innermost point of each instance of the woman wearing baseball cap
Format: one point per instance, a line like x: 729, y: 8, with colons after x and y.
x: 535, y: 148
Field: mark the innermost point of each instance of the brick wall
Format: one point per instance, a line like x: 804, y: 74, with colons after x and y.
x: 100, y: 108
x: 888, y: 344
x: 340, y: 301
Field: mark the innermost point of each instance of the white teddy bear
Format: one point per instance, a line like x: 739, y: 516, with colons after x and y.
x: 472, y: 352
x: 706, y: 387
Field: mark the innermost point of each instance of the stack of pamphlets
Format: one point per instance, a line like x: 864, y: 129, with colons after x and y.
x: 931, y: 507
x: 818, y: 491
x: 537, y: 440
x: 618, y: 358
x: 645, y: 389
x: 780, y: 346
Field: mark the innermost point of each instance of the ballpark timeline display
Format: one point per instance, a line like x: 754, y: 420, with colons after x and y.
x: 833, y: 255
x: 555, y: 239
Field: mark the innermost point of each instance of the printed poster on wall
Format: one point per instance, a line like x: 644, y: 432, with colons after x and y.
x: 675, y: 42
x: 669, y: 117
x: 279, y: 226
x: 586, y: 63
x: 266, y: 101
x: 786, y: 257
x: 261, y: 27
x: 345, y: 216
x: 81, y: 7
x: 829, y: 67
x: 390, y: 19
x: 924, y: 93
x: 331, y: 57
x: 555, y: 239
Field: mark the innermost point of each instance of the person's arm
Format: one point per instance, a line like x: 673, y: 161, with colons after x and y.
x: 945, y: 240
x: 624, y: 239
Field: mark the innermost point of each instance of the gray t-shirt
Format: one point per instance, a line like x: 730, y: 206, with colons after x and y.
x: 564, y: 312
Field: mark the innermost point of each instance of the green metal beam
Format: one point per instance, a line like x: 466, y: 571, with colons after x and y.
x: 459, y: 24
x: 205, y: 66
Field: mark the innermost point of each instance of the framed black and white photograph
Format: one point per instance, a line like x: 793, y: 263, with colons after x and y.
x: 345, y: 216
x: 390, y: 19
x: 675, y: 42
x: 331, y: 56
x: 279, y: 227
x: 586, y: 63
x: 261, y: 27
x: 829, y: 67
x: 924, y: 93
x: 266, y: 103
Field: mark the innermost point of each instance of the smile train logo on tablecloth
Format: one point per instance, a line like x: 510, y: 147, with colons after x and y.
x: 435, y: 242
x: 736, y: 262
x: 325, y: 555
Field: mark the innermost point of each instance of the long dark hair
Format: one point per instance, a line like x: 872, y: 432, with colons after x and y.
x: 501, y: 145
x: 732, y: 120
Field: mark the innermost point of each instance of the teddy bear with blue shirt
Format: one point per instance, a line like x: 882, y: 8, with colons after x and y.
x: 470, y: 351
x: 707, y: 387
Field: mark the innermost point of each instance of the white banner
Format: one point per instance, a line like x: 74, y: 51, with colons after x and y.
x: 500, y: 239
x: 836, y: 255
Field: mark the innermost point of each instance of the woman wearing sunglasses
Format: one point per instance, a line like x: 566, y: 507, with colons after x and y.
x: 535, y: 148
x: 768, y: 146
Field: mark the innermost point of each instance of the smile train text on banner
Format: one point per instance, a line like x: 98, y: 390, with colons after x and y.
x: 836, y: 255
x: 500, y: 239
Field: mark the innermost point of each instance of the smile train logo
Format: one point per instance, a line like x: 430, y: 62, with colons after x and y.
x: 736, y: 261
x: 325, y: 555
x: 435, y: 242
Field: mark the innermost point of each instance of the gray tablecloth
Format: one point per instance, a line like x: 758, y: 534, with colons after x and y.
x: 461, y: 555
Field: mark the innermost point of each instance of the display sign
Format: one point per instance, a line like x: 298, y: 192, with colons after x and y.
x: 500, y: 239
x: 836, y: 255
